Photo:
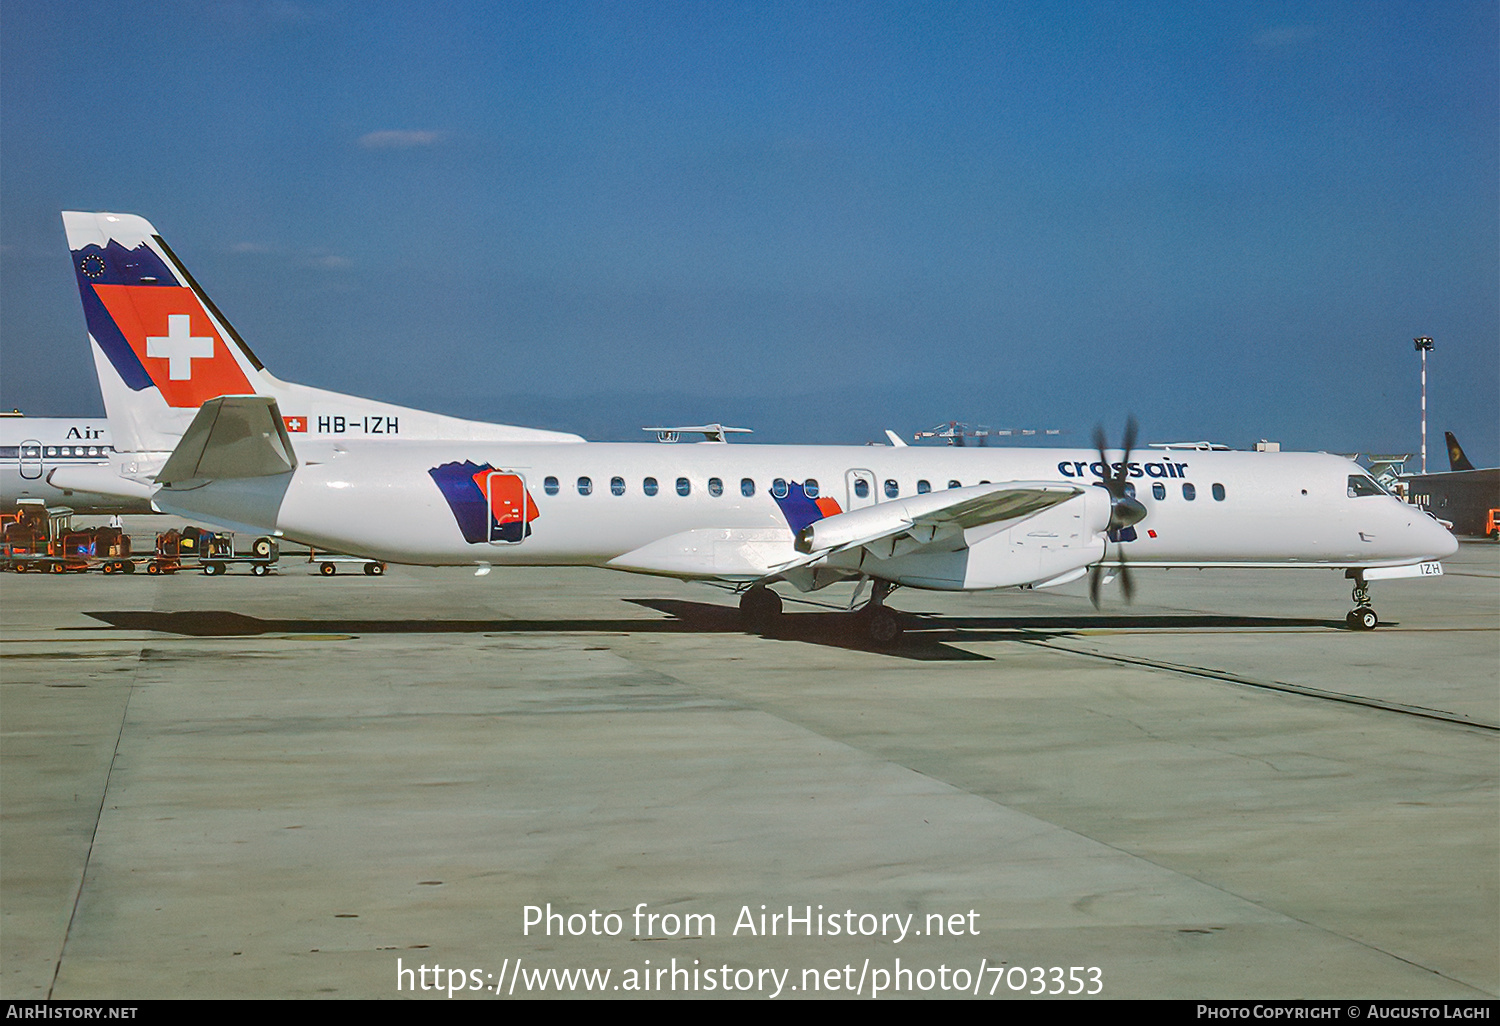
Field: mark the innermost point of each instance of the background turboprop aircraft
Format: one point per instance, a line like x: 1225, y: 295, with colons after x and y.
x: 455, y: 492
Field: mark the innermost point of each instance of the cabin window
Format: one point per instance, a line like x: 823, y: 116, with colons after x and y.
x: 649, y: 486
x: 549, y: 485
x: 747, y: 487
x: 1360, y: 486
x: 810, y: 488
x: 955, y: 484
x: 1188, y: 491
x: 585, y: 486
x: 617, y: 486
x: 778, y: 488
x: 715, y: 487
x: 683, y: 486
x: 923, y: 487
x: 861, y: 488
x: 892, y: 489
x: 1218, y: 490
x: 1158, y: 491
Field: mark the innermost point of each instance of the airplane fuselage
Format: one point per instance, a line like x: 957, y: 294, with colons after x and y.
x: 600, y: 503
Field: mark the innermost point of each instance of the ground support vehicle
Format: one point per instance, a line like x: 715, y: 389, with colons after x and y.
x: 212, y: 552
x: 328, y: 563
x: 38, y: 539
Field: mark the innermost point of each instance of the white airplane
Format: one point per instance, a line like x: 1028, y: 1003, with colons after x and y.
x: 32, y: 449
x: 456, y: 493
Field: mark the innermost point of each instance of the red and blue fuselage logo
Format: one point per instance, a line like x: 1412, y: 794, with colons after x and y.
x: 800, y: 509
x: 490, y: 505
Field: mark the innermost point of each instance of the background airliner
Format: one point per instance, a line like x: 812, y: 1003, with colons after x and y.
x: 31, y: 448
x: 269, y: 457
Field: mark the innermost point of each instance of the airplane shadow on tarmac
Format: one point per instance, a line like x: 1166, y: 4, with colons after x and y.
x: 927, y: 637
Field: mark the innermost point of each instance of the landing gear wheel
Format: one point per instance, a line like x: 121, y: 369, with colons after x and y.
x: 881, y: 625
x: 1361, y: 617
x: 327, y: 569
x: 259, y: 569
x: 262, y: 547
x: 374, y: 569
x: 760, y: 606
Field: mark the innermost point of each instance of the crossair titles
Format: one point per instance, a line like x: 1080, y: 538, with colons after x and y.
x: 1163, y: 468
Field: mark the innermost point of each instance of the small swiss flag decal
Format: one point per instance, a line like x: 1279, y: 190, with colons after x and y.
x: 295, y: 423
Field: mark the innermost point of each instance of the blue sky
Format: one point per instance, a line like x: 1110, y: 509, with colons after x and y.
x: 815, y: 219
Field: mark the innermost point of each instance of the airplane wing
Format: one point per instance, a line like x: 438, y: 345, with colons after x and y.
x: 936, y: 522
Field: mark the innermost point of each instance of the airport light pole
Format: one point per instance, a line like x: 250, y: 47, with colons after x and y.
x: 1424, y: 346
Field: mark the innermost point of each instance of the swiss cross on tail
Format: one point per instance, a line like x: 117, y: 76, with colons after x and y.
x: 175, y: 341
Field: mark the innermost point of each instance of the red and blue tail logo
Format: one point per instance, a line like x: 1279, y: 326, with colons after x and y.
x: 152, y: 327
x: 489, y: 504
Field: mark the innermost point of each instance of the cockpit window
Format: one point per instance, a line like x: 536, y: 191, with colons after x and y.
x: 1360, y: 485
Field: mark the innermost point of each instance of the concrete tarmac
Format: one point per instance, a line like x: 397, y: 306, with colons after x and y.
x: 298, y: 786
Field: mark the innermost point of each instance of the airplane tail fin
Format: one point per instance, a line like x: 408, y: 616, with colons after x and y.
x: 1456, y: 458
x: 162, y: 349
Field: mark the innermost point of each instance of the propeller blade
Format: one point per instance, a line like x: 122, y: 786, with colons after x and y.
x: 1125, y: 511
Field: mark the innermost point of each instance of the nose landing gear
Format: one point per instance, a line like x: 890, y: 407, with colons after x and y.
x: 1361, y: 617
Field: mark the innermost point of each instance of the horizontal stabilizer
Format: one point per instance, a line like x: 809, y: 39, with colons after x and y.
x: 235, y: 436
x: 99, y: 481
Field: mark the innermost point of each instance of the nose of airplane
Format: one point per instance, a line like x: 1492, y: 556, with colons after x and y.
x: 1434, y: 541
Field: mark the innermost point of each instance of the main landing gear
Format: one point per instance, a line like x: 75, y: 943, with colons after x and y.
x: 1362, y: 617
x: 760, y: 607
x: 877, y: 622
